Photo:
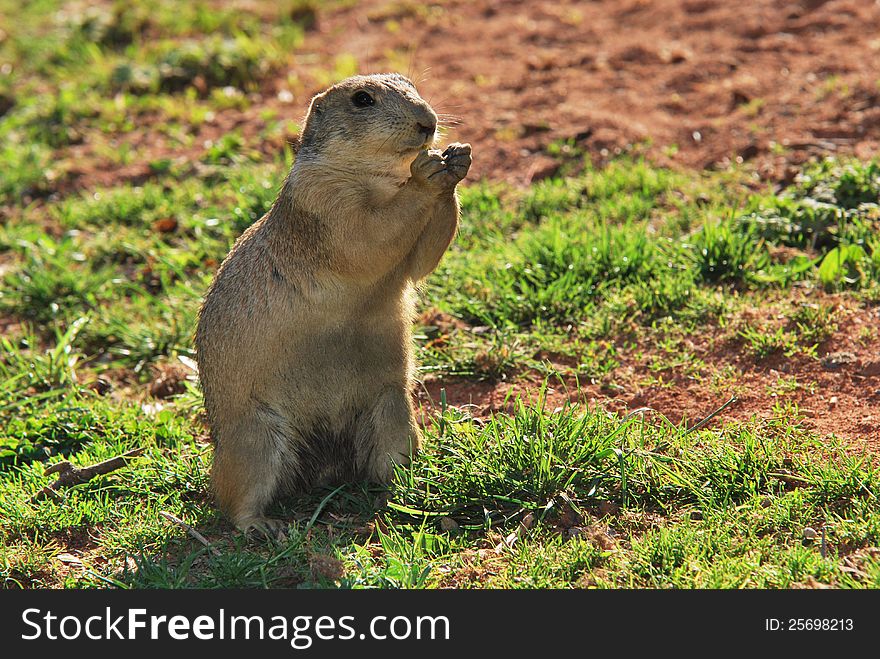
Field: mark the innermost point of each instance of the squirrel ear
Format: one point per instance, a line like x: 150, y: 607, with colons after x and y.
x: 317, y: 104
x: 311, y: 122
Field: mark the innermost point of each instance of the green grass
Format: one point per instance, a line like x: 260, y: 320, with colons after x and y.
x: 530, y: 498
x: 569, y: 281
x: 107, y: 71
x: 612, y: 502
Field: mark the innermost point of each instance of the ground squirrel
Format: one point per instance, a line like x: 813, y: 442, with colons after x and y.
x: 304, y: 337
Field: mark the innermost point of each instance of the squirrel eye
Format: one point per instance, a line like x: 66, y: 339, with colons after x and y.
x: 362, y: 100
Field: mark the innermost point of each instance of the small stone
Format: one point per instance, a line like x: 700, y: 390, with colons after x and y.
x: 810, y: 533
x: 839, y: 359
x: 832, y: 400
x: 70, y: 559
x: 448, y: 524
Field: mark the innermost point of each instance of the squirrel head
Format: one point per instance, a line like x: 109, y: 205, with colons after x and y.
x: 368, y: 119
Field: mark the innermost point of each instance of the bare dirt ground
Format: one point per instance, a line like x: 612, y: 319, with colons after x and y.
x: 705, y: 81
x: 838, y: 393
x: 697, y: 83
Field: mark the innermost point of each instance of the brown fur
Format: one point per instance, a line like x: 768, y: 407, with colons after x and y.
x: 303, y: 340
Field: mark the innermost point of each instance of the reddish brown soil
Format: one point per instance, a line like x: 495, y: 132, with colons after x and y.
x: 699, y: 83
x: 610, y: 73
x: 834, y: 396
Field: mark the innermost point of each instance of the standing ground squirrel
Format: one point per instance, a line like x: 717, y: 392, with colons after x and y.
x: 304, y: 337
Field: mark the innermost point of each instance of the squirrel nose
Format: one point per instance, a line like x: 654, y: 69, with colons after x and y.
x: 428, y: 129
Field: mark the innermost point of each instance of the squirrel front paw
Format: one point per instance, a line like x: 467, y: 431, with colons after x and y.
x: 442, y: 169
